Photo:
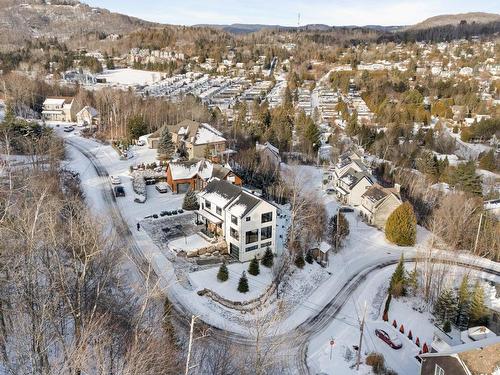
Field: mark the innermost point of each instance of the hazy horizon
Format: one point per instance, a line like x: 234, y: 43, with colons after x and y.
x: 285, y: 13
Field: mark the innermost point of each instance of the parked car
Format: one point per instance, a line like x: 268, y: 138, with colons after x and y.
x: 162, y: 187
x: 392, y: 340
x: 141, y: 142
x: 115, y: 180
x: 330, y: 191
x: 139, y: 198
x: 119, y: 191
x: 68, y: 128
x: 346, y: 209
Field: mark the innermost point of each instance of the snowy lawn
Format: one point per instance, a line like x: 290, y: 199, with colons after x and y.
x: 228, y: 289
x: 188, y: 243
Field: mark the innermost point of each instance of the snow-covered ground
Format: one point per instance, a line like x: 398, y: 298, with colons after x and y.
x: 2, y: 110
x: 228, y: 289
x: 130, y: 77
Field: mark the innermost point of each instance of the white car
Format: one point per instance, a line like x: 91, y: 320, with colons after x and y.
x: 139, y: 198
x: 141, y: 142
x: 115, y: 180
x: 68, y: 129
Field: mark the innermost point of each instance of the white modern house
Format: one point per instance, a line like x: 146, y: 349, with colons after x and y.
x: 246, y: 222
x: 58, y: 109
x: 378, y: 203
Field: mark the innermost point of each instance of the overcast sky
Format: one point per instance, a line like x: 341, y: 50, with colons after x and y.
x: 285, y: 12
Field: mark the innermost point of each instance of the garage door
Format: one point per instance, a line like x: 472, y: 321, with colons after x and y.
x: 183, y: 188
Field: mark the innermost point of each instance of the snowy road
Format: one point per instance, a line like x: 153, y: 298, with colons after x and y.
x: 295, y: 335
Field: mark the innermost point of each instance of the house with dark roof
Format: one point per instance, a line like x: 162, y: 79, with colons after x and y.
x: 196, y: 139
x: 474, y: 358
x: 378, y: 202
x: 352, y: 185
x: 245, y: 221
x: 195, y: 174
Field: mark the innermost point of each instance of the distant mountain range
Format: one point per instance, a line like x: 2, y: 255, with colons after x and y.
x: 22, y: 20
x: 241, y: 28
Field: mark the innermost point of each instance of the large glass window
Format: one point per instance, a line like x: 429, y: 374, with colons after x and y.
x: 208, y: 205
x: 218, y: 210
x: 266, y: 233
x: 234, y: 233
x: 252, y: 236
x: 252, y: 248
x: 267, y: 217
x: 438, y: 370
x: 234, y: 220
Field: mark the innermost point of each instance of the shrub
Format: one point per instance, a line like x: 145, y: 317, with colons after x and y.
x: 299, y: 261
x: 268, y: 258
x: 401, y: 226
x: 376, y: 361
x: 394, y: 323
x: 402, y: 329
x: 253, y: 268
x: 309, y: 257
x: 223, y: 273
x: 410, y: 335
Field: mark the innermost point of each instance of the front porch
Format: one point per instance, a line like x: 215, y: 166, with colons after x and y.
x: 212, y: 224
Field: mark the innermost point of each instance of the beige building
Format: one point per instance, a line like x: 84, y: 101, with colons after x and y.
x: 58, y: 109
x: 88, y: 116
x: 378, y: 203
x: 197, y: 139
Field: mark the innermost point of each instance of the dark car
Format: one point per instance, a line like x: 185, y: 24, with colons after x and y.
x: 346, y: 209
x: 393, y: 341
x: 119, y: 191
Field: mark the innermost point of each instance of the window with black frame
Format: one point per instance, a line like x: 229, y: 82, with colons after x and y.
x: 266, y: 233
x: 234, y: 233
x: 267, y: 217
x: 252, y: 236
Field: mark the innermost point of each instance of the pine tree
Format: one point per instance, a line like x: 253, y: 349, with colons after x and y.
x: 487, y: 161
x: 412, y: 281
x: 394, y: 323
x: 464, y: 302
x: 447, y: 326
x: 223, y: 273
x: 268, y: 258
x: 410, y: 335
x: 445, y: 307
x: 478, y: 312
x: 417, y: 342
x: 401, y: 226
x: 309, y: 257
x: 397, y: 286
x: 166, y: 147
x: 253, y: 268
x: 425, y: 348
x: 464, y: 178
x: 243, y: 283
x: 299, y: 261
x: 190, y: 202
x: 402, y: 328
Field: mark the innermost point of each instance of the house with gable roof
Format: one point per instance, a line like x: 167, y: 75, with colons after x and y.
x: 58, y: 108
x: 378, y: 203
x: 245, y: 221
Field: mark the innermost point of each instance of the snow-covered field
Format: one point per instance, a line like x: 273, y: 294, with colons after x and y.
x: 228, y: 289
x: 130, y: 77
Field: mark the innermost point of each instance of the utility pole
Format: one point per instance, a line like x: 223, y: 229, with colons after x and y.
x: 191, y: 330
x: 478, y: 231
x: 361, y: 338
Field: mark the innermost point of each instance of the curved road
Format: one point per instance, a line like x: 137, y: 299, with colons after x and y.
x: 295, y: 341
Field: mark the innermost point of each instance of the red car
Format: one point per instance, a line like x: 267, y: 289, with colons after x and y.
x: 393, y: 341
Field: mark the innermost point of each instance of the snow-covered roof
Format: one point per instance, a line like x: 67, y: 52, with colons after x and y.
x: 91, y: 110
x: 207, y: 134
x: 187, y: 170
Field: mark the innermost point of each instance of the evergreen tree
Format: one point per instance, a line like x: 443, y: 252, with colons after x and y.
x: 487, y: 161
x: 445, y: 307
x: 447, y: 326
x: 253, y: 268
x: 401, y: 226
x: 412, y: 281
x: 137, y: 126
x: 268, y: 258
x: 352, y: 127
x: 243, y: 283
x: 166, y: 147
x: 464, y: 302
x: 464, y: 178
x: 190, y: 202
x: 397, y: 286
x: 223, y: 273
x: 478, y: 312
x: 313, y: 136
x: 309, y: 257
x: 299, y: 261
